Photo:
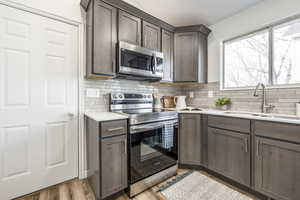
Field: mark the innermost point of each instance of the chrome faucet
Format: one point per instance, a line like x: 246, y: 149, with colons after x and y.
x: 265, y: 107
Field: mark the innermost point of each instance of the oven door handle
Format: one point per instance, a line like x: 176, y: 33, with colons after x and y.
x: 140, y: 128
x: 145, y: 128
x: 153, y: 63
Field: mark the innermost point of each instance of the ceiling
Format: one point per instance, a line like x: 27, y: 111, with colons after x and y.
x: 189, y: 12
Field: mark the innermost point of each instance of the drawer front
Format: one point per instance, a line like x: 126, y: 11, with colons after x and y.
x: 241, y: 125
x: 289, y: 132
x: 113, y: 128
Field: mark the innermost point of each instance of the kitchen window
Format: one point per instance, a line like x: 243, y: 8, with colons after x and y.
x: 269, y: 56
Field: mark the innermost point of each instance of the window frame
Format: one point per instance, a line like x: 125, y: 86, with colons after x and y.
x: 270, y: 30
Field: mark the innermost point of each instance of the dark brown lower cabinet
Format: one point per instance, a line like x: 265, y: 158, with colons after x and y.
x: 229, y: 154
x: 114, y: 165
x: 107, y: 157
x: 190, y: 139
x: 277, y: 168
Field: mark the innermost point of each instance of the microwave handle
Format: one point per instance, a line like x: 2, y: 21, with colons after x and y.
x: 154, y: 64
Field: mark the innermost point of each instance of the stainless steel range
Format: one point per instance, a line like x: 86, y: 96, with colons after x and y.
x: 152, y: 140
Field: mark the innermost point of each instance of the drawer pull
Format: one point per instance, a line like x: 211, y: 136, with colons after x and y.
x: 115, y: 129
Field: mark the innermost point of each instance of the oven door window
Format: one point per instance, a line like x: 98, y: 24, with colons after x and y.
x: 152, y: 151
x: 135, y: 60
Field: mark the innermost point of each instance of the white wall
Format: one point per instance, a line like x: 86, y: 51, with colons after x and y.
x: 69, y: 9
x: 258, y: 16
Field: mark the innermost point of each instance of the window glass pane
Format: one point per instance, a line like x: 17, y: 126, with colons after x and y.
x: 246, y: 61
x: 287, y: 53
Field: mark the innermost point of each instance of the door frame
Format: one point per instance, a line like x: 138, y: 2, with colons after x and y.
x: 80, y: 71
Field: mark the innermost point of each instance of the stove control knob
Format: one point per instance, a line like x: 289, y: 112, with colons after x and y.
x: 120, y: 96
x: 115, y: 96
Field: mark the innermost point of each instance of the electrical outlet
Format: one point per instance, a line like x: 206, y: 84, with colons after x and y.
x: 210, y: 94
x: 92, y: 93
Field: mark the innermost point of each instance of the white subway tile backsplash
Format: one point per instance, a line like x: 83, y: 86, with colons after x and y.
x: 108, y: 86
x: 283, y: 98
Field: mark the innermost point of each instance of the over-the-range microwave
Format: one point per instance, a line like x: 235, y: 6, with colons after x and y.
x: 135, y: 62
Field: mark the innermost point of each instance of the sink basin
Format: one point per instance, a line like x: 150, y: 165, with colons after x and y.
x: 237, y: 113
x: 260, y: 115
x: 191, y: 109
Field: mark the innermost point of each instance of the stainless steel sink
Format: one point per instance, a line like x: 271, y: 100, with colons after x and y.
x: 260, y: 115
x: 237, y: 113
x: 191, y: 109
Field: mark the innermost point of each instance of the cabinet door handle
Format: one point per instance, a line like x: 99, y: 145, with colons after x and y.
x: 113, y: 65
x: 246, y: 145
x: 116, y: 129
x: 257, y: 148
x: 125, y: 147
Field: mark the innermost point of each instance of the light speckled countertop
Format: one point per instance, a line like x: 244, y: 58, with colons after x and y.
x: 105, y: 116
x: 293, y: 119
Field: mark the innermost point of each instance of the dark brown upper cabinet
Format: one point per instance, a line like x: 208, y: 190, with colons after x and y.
x: 101, y: 40
x: 110, y: 21
x: 186, y: 57
x: 151, y: 36
x: 167, y: 47
x: 191, y: 54
x: 130, y: 28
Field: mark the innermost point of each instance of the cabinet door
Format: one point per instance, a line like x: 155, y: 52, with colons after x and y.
x: 114, y: 165
x: 129, y: 28
x: 186, y: 57
x: 190, y: 139
x: 168, y: 51
x: 229, y: 154
x: 105, y: 37
x: 151, y: 36
x: 277, y: 167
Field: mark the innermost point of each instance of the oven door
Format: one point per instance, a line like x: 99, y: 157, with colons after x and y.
x: 153, y: 148
x: 138, y: 61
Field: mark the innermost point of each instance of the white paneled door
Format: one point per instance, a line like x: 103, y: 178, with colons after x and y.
x: 38, y: 102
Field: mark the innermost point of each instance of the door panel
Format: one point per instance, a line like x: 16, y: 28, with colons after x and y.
x: 38, y: 90
x: 277, y: 167
x: 16, y: 88
x: 229, y: 154
x: 168, y: 51
x: 105, y: 26
x: 151, y: 36
x: 114, y: 171
x: 186, y: 57
x: 130, y: 28
x: 16, y: 157
x: 190, y: 139
x: 56, y: 145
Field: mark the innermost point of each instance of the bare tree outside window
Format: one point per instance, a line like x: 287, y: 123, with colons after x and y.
x: 246, y: 59
x: 287, y: 53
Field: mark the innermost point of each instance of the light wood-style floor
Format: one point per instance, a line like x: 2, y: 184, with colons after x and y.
x: 81, y: 190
